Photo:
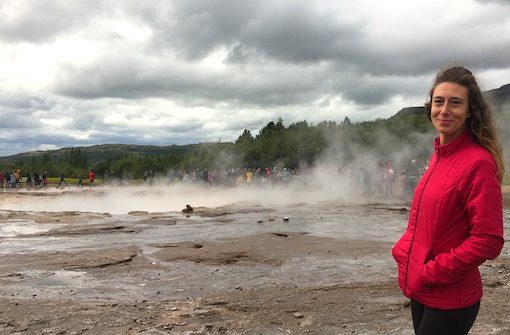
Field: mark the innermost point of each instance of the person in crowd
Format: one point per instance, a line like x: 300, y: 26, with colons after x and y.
x: 256, y: 175
x: 249, y: 176
x: 455, y: 223
x: 62, y: 181
x: 389, y: 177
x: 45, y: 179
x: 13, y: 180
x: 17, y: 177
x: 267, y: 174
x: 37, y: 179
x: 241, y: 178
x: 91, y: 178
x: 80, y: 182
x: 8, y: 179
x: 29, y: 181
x: 411, y: 177
x: 2, y: 177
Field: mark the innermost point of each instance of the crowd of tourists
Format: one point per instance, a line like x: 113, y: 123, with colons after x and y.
x: 383, y: 179
x: 379, y: 179
x: 235, y: 176
x: 15, y: 179
x: 366, y: 179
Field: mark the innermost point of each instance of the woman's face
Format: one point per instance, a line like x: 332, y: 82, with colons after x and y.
x: 449, y: 110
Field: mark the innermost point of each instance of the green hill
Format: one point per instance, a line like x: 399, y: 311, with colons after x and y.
x: 102, y: 152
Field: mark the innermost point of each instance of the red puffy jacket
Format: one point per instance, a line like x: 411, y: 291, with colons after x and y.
x: 455, y: 224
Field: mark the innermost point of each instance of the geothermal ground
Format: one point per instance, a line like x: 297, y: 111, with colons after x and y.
x: 265, y: 261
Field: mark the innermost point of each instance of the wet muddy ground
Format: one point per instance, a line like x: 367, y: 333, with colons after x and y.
x: 249, y: 267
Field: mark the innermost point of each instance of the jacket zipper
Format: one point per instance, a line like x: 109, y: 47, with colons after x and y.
x: 416, y: 220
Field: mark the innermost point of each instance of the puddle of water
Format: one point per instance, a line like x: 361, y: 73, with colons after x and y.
x: 15, y: 228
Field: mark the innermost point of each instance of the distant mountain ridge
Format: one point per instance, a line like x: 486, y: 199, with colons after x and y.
x: 107, y: 151
x: 409, y: 111
x: 499, y: 95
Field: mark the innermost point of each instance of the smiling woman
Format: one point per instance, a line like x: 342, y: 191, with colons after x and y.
x: 465, y: 108
x: 449, y: 110
x: 456, y: 220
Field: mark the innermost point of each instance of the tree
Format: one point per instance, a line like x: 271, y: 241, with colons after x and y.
x: 245, y: 138
x: 267, y: 130
x: 279, y: 125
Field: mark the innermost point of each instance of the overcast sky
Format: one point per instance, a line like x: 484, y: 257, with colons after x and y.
x: 77, y: 73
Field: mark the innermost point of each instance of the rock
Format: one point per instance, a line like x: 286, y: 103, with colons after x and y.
x: 138, y: 213
x: 188, y: 209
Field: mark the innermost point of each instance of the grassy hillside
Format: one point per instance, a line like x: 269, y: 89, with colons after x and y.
x: 102, y: 152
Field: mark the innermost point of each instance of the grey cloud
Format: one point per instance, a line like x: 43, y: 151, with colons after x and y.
x: 499, y: 2
x: 300, y: 35
x: 39, y: 20
x: 267, y: 34
x: 477, y: 41
x: 21, y: 112
x: 368, y: 90
x: 25, y: 139
x: 297, y: 32
x: 21, y: 102
x: 179, y: 134
x: 14, y: 121
x: 183, y: 128
x: 196, y: 27
x: 135, y: 79
x: 285, y: 31
x: 369, y: 94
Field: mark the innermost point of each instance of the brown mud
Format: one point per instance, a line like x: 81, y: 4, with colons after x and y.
x: 237, y: 269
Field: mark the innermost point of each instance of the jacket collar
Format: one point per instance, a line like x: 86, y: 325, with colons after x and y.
x: 447, y: 149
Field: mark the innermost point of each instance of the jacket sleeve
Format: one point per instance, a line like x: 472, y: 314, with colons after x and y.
x: 480, y: 193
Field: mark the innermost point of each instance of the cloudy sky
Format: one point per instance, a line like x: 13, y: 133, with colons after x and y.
x: 80, y: 72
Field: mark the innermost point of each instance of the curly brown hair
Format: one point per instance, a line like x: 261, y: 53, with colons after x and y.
x: 480, y: 123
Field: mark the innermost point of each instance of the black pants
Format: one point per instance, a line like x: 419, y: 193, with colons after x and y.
x: 429, y: 321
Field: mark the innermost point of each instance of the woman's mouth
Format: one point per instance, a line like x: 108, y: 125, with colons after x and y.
x: 445, y: 122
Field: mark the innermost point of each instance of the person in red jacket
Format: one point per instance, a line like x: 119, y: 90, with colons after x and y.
x: 456, y: 217
x: 91, y: 178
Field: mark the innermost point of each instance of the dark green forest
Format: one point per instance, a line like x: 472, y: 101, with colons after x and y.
x: 299, y: 145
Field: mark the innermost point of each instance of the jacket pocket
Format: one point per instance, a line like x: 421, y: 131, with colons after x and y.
x: 419, y: 256
x: 400, y: 253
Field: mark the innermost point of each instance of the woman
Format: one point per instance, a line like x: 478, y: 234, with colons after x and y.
x: 456, y: 220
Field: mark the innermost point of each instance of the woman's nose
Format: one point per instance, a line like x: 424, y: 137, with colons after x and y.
x: 445, y: 108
